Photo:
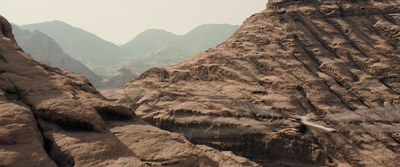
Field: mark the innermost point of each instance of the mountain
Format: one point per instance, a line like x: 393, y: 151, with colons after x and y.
x: 208, y: 36
x: 151, y: 40
x: 198, y: 39
x: 161, y: 57
x: 335, y: 61
x: 155, y: 48
x: 105, y: 58
x: 88, y: 48
x: 44, y: 49
x: 50, y: 117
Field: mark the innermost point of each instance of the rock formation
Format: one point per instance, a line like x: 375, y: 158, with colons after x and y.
x: 338, y: 60
x: 50, y: 117
x: 117, y: 80
x: 44, y: 49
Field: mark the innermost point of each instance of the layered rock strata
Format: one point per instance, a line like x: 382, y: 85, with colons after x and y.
x: 50, y: 117
x: 331, y: 59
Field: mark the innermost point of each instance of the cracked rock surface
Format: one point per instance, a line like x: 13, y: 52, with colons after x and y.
x: 338, y: 60
x: 50, y: 117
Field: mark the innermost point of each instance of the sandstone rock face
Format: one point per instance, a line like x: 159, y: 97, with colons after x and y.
x: 338, y: 60
x: 44, y: 49
x: 50, y: 117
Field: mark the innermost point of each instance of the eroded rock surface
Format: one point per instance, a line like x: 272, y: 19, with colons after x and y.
x: 323, y: 58
x: 50, y: 117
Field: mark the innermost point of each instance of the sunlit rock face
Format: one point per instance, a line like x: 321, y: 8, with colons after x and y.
x: 322, y: 58
x: 50, y: 117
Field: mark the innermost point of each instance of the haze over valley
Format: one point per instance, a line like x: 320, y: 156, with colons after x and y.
x: 163, y: 35
x: 151, y: 48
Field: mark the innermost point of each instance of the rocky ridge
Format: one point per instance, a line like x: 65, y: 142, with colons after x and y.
x: 333, y: 59
x: 50, y: 117
x: 44, y: 49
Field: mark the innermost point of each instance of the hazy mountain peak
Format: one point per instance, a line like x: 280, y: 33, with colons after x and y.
x: 200, y: 38
x: 156, y: 31
x: 49, y: 24
x: 58, y: 22
x: 212, y: 27
x: 44, y: 49
x: 80, y: 44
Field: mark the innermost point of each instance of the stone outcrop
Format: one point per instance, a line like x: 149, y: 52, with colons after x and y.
x: 331, y: 59
x: 50, y: 117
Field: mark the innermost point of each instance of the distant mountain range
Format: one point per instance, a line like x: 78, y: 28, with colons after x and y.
x: 105, y: 58
x: 151, y: 48
x: 90, y: 49
x: 156, y: 48
x: 44, y: 49
x: 198, y: 39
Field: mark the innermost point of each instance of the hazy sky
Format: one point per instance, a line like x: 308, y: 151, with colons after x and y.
x: 118, y: 21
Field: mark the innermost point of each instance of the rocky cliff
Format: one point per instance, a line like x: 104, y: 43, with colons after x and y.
x: 44, y: 49
x: 50, y: 117
x: 338, y: 60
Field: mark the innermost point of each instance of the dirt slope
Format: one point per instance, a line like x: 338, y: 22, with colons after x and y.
x: 50, y: 117
x: 334, y: 59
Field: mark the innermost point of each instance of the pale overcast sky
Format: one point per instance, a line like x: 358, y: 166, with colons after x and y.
x: 118, y: 21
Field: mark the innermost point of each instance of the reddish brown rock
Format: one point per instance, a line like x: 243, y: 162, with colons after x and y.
x: 21, y: 142
x: 51, y: 117
x: 322, y: 58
